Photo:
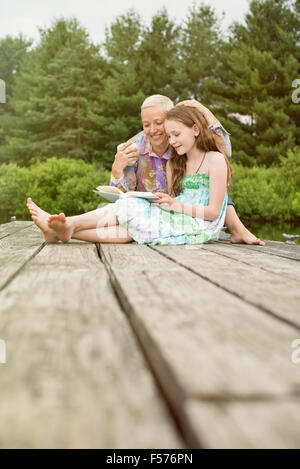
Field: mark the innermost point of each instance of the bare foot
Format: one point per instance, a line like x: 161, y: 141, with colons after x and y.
x: 62, y: 227
x: 40, y: 218
x: 245, y: 237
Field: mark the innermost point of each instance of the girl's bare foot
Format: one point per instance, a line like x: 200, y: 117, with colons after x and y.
x: 40, y: 218
x: 62, y: 227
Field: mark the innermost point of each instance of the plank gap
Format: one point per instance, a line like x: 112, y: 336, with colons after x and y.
x: 246, y: 300
x: 177, y: 413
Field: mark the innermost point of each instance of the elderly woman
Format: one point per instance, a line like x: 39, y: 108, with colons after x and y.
x: 140, y: 168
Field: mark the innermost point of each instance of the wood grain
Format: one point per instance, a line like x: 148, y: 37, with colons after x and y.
x: 203, y: 342
x: 16, y: 249
x: 275, y: 248
x: 75, y: 376
x: 276, y: 294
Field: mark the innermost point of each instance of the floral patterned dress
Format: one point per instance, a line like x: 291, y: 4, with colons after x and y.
x: 149, y: 224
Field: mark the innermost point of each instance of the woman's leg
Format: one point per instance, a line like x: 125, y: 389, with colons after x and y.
x: 238, y: 231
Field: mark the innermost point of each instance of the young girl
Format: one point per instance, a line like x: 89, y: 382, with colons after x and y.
x: 192, y: 212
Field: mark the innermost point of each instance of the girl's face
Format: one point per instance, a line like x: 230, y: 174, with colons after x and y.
x: 181, y: 137
x: 154, y: 126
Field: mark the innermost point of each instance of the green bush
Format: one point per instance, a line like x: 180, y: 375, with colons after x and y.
x: 56, y: 185
x: 14, y: 184
x: 269, y: 193
x: 67, y: 185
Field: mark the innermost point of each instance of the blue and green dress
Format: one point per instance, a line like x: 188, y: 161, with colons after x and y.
x: 149, y: 224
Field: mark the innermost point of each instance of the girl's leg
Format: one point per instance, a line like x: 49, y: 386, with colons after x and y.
x: 99, y: 217
x: 103, y: 216
x: 110, y: 234
x: 66, y: 227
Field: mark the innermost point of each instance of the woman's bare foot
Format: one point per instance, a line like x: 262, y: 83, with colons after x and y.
x: 40, y: 218
x: 245, y: 237
x: 62, y: 227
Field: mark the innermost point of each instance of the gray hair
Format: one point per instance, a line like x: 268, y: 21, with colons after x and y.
x: 158, y: 100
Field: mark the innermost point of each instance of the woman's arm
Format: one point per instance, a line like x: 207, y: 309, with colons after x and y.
x: 127, y: 182
x: 217, y: 170
x: 194, y: 103
x: 221, y: 135
x: 123, y: 176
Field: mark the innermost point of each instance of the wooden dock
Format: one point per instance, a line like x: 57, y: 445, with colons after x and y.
x: 130, y: 346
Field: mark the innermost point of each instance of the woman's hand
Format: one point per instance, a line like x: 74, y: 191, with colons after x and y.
x: 191, y: 102
x: 194, y: 103
x: 124, y: 156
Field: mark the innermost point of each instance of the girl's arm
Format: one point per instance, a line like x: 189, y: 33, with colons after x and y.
x: 217, y: 171
x: 169, y: 178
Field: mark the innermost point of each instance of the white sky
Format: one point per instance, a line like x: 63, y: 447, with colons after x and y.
x: 26, y: 15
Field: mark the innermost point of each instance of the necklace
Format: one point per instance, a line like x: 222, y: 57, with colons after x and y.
x: 200, y: 163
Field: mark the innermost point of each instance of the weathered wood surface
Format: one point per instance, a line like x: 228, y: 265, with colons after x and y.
x: 186, y: 346
x: 204, y: 342
x: 75, y: 376
x: 7, y: 229
x: 16, y: 249
x: 287, y: 267
x: 275, y: 248
x: 276, y: 294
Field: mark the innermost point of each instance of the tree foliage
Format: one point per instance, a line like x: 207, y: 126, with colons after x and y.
x: 71, y: 98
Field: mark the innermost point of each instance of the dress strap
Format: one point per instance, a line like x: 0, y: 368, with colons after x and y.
x: 205, y: 164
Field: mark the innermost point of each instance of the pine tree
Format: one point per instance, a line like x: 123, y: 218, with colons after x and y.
x: 254, y: 85
x: 115, y: 115
x: 200, y: 40
x: 158, y: 56
x: 52, y: 96
x: 13, y: 51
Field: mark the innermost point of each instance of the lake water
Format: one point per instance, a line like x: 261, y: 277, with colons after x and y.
x: 274, y: 231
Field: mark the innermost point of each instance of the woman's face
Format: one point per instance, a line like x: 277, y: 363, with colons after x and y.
x: 153, y: 120
x: 181, y: 137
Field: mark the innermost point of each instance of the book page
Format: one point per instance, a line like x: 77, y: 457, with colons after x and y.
x: 142, y: 195
x: 109, y: 189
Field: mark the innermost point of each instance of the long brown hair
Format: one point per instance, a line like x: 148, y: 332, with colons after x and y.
x: 189, y: 116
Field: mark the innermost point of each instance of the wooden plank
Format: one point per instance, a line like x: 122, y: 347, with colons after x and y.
x: 284, y: 267
x: 16, y: 250
x: 274, y: 248
x: 249, y: 424
x: 75, y: 376
x: 7, y: 229
x: 273, y: 293
x: 203, y: 342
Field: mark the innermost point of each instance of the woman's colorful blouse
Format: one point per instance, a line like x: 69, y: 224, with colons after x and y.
x: 149, y: 172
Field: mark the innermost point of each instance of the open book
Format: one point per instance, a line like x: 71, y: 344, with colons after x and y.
x: 112, y: 193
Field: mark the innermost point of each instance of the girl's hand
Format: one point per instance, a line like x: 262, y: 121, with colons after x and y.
x: 166, y: 202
